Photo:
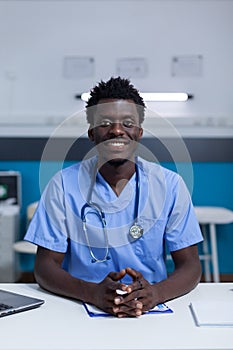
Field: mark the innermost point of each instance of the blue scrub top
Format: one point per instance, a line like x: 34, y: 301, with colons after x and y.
x: 165, y: 212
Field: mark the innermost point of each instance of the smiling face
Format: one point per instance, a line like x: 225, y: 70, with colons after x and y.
x: 116, y: 130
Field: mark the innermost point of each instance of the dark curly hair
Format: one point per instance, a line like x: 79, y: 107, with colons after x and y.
x: 118, y: 88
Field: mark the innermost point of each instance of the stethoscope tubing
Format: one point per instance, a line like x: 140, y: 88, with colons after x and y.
x: 101, y: 215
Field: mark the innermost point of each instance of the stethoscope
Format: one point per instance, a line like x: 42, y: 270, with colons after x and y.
x: 135, y: 231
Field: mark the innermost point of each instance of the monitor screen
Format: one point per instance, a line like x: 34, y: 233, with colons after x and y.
x: 9, y: 187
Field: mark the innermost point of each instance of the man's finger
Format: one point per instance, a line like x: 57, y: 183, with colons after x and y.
x: 116, y: 276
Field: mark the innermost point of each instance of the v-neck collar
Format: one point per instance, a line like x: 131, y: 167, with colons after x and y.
x: 101, y: 192
x: 104, y: 195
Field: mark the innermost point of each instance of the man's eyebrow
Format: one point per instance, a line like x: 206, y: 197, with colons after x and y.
x: 102, y: 115
x: 126, y: 115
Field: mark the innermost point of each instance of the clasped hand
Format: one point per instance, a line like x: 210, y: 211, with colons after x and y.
x: 139, y: 295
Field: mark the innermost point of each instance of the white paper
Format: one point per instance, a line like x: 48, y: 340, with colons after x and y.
x: 212, y: 313
x: 161, y: 308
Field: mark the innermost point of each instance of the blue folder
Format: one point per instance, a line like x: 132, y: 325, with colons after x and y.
x: 93, y: 311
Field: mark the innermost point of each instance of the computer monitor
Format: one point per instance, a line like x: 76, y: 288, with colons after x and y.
x: 10, y: 187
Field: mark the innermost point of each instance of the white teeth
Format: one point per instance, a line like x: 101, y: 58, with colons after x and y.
x: 117, y: 144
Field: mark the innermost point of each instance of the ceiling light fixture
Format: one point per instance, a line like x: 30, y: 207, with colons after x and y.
x: 165, y: 96
x: 152, y: 96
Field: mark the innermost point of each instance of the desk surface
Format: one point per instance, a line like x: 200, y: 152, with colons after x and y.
x: 63, y: 324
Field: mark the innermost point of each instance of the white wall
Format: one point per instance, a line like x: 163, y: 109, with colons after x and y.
x: 35, y: 36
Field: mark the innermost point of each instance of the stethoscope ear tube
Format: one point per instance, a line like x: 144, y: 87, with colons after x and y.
x: 136, y: 231
x: 97, y: 208
x: 103, y: 221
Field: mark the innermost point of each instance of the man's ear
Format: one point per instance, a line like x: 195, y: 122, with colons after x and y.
x: 140, y: 131
x: 90, y: 133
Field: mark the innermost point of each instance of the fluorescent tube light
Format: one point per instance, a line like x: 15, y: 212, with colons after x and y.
x: 85, y: 96
x: 164, y: 96
x: 153, y: 96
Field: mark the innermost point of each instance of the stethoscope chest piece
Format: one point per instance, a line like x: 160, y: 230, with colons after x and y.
x: 136, y: 231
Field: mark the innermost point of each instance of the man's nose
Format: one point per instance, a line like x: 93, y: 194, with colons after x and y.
x: 117, y: 128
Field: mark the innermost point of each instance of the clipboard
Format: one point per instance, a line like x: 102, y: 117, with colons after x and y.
x: 93, y: 311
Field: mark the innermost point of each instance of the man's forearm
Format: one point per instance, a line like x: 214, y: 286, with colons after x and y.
x: 54, y: 279
x: 180, y: 282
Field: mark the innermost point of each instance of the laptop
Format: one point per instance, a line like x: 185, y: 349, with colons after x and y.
x: 11, y: 303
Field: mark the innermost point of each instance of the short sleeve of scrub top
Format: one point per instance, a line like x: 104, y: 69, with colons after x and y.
x: 48, y: 225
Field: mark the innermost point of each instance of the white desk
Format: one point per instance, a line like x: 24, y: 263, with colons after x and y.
x: 63, y: 324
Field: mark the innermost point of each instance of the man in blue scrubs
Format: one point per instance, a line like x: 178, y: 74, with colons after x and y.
x: 102, y: 224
